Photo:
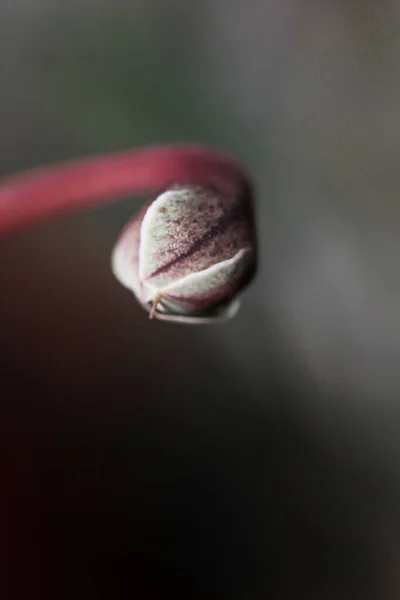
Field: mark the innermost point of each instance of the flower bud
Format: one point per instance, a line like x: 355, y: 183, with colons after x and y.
x: 188, y: 253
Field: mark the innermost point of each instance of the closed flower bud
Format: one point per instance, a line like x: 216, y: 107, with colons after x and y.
x: 188, y: 253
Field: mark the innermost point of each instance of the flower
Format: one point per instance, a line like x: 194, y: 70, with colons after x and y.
x: 188, y: 253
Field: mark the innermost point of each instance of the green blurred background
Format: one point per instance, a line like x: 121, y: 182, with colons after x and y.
x: 256, y: 458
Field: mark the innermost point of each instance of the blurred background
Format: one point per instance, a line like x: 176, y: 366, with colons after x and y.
x: 260, y: 458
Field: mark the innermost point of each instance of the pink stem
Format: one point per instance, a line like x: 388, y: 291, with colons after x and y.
x: 52, y: 190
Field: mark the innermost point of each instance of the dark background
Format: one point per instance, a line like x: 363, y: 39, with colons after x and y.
x: 249, y: 460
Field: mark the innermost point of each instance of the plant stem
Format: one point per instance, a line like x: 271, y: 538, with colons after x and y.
x: 49, y: 191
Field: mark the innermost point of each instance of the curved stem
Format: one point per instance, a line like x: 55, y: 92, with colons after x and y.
x: 51, y: 190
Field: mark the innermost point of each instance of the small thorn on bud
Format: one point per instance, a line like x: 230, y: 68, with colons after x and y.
x: 156, y: 301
